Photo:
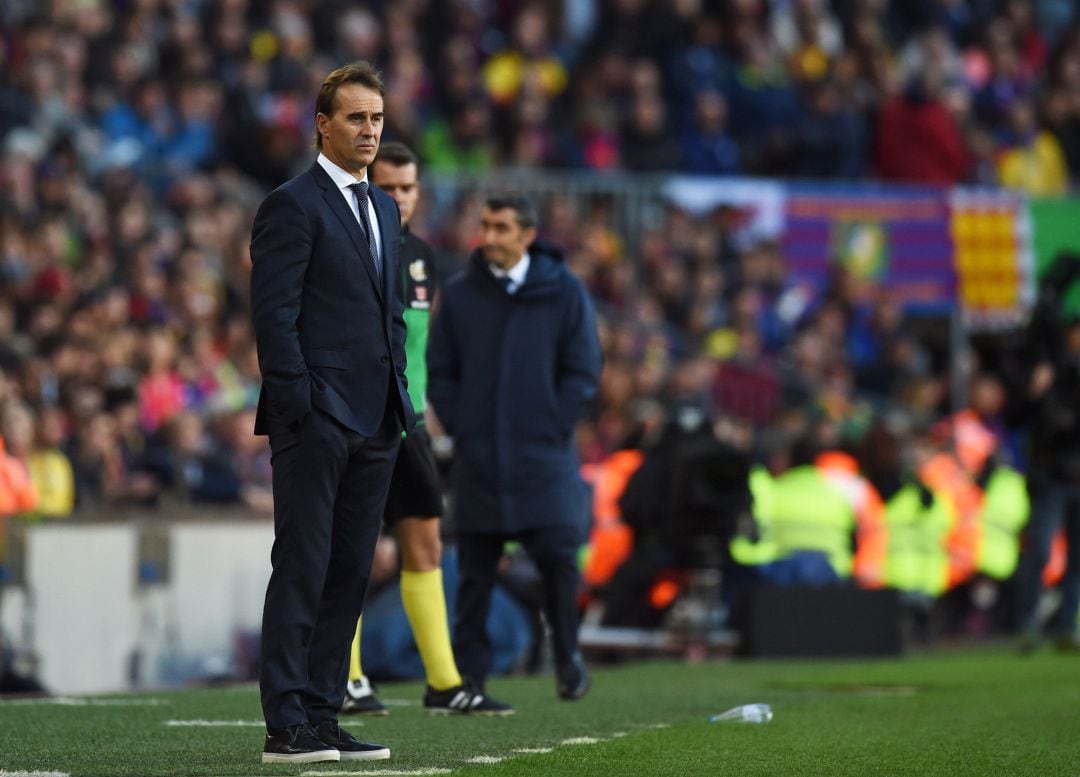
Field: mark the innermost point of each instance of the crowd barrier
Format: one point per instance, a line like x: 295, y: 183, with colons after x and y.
x: 141, y: 604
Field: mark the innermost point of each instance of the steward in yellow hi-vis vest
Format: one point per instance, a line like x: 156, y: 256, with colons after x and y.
x: 919, y: 522
x: 1005, y: 511
x: 808, y: 514
x: 757, y: 549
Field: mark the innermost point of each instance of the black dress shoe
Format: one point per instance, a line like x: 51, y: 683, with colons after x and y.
x: 572, y: 679
x: 297, y: 745
x: 350, y: 747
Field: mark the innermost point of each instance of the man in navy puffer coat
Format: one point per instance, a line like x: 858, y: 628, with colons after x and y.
x: 513, y: 364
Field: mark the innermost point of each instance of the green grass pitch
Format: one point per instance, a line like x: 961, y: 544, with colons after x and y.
x: 979, y: 712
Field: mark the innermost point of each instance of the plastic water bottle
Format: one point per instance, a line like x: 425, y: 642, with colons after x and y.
x: 746, y: 713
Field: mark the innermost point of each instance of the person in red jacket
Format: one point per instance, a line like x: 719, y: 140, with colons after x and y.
x: 917, y: 139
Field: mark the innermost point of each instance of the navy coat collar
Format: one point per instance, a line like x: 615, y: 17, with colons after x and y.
x: 546, y: 269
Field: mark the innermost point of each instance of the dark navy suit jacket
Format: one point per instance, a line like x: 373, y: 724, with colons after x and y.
x: 329, y: 332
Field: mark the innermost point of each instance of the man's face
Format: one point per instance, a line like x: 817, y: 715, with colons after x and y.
x: 351, y: 134
x: 503, y: 239
x: 400, y: 182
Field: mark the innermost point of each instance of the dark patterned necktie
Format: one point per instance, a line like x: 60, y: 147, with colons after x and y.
x: 360, y: 189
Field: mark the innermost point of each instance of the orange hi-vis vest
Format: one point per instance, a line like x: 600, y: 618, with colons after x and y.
x: 610, y: 540
x: 943, y: 474
x: 1058, y: 561
x: 17, y: 492
x: 871, y: 530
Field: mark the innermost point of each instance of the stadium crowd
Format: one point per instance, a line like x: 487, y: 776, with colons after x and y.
x: 137, y: 137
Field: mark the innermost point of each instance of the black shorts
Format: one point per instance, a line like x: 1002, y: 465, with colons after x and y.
x: 415, y: 491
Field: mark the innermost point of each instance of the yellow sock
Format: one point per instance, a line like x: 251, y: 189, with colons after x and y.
x: 356, y: 674
x: 425, y: 606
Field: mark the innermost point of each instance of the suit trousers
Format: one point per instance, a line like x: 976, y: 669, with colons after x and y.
x: 330, y: 486
x: 554, y: 550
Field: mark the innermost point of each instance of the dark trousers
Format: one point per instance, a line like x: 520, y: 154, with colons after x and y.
x: 554, y: 551
x: 1055, y: 505
x: 330, y: 487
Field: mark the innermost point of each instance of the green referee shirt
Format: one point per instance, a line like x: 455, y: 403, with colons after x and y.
x: 419, y: 284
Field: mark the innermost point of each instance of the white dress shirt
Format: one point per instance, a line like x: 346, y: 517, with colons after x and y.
x: 344, y: 180
x: 516, y: 274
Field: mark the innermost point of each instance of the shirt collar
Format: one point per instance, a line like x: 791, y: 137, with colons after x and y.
x: 342, y: 178
x: 516, y: 274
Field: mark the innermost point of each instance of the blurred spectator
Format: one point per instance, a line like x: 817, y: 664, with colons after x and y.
x: 50, y: 468
x: 528, y: 57
x: 194, y: 466
x: 808, y: 36
x: 706, y: 147
x: 1032, y: 159
x: 763, y: 102
x: 249, y: 457
x: 917, y: 138
x: 1061, y: 118
x: 460, y: 143
x: 17, y: 492
x: 161, y: 390
x: 831, y: 136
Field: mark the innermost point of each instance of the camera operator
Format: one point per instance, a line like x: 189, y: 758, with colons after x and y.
x: 1052, y: 405
x: 683, y: 505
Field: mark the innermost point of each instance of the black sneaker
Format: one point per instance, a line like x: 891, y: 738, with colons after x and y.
x: 464, y: 700
x: 572, y: 679
x: 297, y: 745
x: 360, y: 699
x: 350, y: 747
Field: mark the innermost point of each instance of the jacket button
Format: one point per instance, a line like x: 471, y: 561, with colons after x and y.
x: 384, y: 360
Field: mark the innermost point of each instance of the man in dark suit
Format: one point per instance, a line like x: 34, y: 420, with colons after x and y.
x: 514, y: 363
x: 327, y: 312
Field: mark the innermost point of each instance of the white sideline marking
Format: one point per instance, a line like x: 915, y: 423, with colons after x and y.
x: 484, y: 759
x: 6, y: 773
x: 581, y: 741
x: 215, y: 723
x: 71, y: 701
x: 383, y: 772
x: 885, y: 690
x: 657, y: 726
x: 396, y: 703
x: 620, y: 734
x: 528, y: 750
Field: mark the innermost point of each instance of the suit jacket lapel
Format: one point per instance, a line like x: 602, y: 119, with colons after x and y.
x: 348, y: 221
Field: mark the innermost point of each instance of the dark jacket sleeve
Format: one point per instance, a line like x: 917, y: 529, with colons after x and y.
x: 444, y: 366
x: 579, y: 357
x: 280, y: 252
x: 397, y: 310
